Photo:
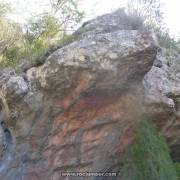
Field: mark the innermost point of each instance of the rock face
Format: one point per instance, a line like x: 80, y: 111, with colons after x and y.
x: 162, y: 90
x: 77, y: 111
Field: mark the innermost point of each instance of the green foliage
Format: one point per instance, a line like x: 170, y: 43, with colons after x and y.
x: 4, y: 9
x: 148, y: 158
x: 150, y: 12
x: 38, y: 60
x: 167, y: 42
x: 10, y: 32
x: 68, y: 12
x: 42, y: 32
x: 177, y: 165
x: 11, y: 37
x: 43, y: 26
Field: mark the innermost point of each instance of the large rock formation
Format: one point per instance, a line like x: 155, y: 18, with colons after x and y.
x: 162, y: 90
x: 77, y: 111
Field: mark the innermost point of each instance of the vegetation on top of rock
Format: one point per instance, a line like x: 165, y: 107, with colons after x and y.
x: 148, y: 157
x: 151, y: 14
x: 41, y: 33
x: 49, y: 29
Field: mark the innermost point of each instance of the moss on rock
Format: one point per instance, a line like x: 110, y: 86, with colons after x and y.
x: 148, y: 157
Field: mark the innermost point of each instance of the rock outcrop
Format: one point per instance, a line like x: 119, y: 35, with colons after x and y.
x: 162, y: 90
x: 77, y: 111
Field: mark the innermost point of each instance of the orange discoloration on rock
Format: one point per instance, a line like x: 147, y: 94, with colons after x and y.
x: 81, y: 83
x: 58, y: 139
x: 85, y: 114
x: 88, y: 111
x: 88, y: 108
x: 126, y: 139
x: 89, y: 124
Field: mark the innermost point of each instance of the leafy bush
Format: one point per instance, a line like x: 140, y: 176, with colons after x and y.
x: 148, y: 158
x: 150, y: 12
x: 177, y: 165
x: 40, y: 34
x: 68, y: 11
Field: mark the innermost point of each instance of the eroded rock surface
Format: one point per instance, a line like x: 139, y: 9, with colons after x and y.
x: 77, y: 111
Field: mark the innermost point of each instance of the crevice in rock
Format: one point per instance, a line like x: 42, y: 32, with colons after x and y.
x: 6, y: 144
x: 175, y: 152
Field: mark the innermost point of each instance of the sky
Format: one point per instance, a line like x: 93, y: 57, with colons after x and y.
x: 25, y: 8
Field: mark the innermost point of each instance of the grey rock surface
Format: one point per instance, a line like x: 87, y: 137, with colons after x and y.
x: 162, y: 92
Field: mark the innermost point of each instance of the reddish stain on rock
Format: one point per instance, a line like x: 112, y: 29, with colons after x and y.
x: 89, y: 125
x: 125, y: 139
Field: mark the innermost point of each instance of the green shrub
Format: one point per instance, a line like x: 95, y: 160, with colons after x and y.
x: 40, y: 35
x: 148, y: 157
x: 177, y: 165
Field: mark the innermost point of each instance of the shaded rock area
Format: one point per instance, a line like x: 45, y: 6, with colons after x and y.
x: 77, y: 111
